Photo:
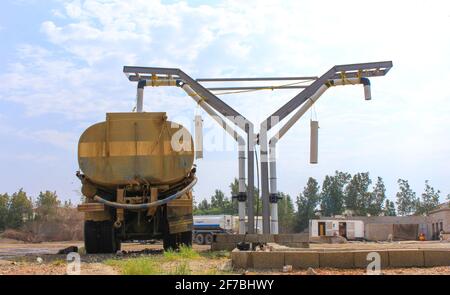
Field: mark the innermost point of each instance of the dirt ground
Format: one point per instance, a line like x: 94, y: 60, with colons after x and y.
x: 18, y: 258
x: 383, y: 245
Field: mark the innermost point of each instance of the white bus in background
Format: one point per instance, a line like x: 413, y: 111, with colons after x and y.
x: 349, y: 229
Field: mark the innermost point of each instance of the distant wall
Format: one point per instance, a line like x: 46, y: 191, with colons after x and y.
x: 378, y: 228
x: 389, y: 219
x: 440, y: 218
x: 378, y: 232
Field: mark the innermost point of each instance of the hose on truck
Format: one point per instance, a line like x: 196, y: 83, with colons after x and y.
x: 147, y: 205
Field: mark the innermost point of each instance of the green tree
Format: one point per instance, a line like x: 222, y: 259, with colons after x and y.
x: 286, y: 214
x: 204, y: 205
x: 47, y: 205
x: 4, y: 205
x: 429, y: 201
x: 406, y: 198
x: 20, y: 209
x: 220, y: 204
x: 201, y: 208
x: 234, y: 187
x: 377, y: 198
x: 218, y: 200
x: 389, y: 208
x: 357, y: 196
x: 332, y: 195
x: 307, y: 202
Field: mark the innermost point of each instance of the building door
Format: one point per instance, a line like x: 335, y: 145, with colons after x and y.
x: 343, y: 229
x: 321, y: 228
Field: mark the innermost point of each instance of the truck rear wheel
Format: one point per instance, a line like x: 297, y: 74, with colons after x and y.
x: 100, y: 237
x: 208, y: 239
x: 174, y: 241
x: 199, y: 239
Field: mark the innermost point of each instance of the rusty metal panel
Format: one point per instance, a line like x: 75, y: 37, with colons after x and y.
x: 180, y: 224
x: 180, y: 203
x: 153, y: 198
x: 135, y: 147
x: 179, y: 214
x: 91, y: 207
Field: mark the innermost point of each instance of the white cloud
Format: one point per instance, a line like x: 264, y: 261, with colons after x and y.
x: 60, y: 139
x: 80, y: 77
x: 29, y: 157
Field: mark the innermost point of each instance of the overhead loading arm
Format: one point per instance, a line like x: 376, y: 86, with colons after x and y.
x: 300, y: 103
x: 337, y: 75
x: 311, y: 100
x: 152, y: 82
x: 273, y: 193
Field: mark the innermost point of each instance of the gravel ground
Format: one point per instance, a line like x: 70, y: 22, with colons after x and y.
x: 19, y: 258
x: 441, y: 270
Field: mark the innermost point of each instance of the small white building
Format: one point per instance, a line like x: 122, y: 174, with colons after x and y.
x: 349, y: 229
x: 440, y: 221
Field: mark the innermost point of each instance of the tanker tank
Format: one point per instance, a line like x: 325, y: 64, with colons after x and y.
x: 137, y: 173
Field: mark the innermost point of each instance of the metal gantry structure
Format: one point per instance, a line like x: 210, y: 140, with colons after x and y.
x: 227, y: 117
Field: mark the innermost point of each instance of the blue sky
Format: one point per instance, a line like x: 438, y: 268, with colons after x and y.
x: 61, y: 71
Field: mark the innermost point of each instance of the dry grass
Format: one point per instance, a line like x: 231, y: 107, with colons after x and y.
x: 67, y: 225
x: 185, y: 261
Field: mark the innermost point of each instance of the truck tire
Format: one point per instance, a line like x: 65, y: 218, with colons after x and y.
x: 170, y: 242
x: 208, y: 239
x: 174, y: 241
x: 100, y: 237
x: 186, y: 238
x: 199, y: 239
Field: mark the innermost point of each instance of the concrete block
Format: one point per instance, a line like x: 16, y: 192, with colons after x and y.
x: 222, y: 246
x: 337, y: 259
x: 251, y: 238
x: 362, y: 262
x: 283, y: 238
x: 437, y: 257
x: 406, y: 258
x: 268, y: 260
x: 220, y: 238
x: 296, y: 245
x: 266, y: 238
x: 302, y: 259
x: 300, y: 238
x: 241, y: 259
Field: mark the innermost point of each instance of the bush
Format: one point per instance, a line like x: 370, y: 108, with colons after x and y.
x: 67, y: 225
x: 14, y: 234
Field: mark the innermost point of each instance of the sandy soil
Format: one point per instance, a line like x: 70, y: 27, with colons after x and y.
x: 19, y: 258
x: 41, y: 258
x: 383, y: 245
x: 442, y: 270
x: 12, y: 248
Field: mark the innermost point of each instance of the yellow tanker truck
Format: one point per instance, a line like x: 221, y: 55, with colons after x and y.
x: 137, y: 175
